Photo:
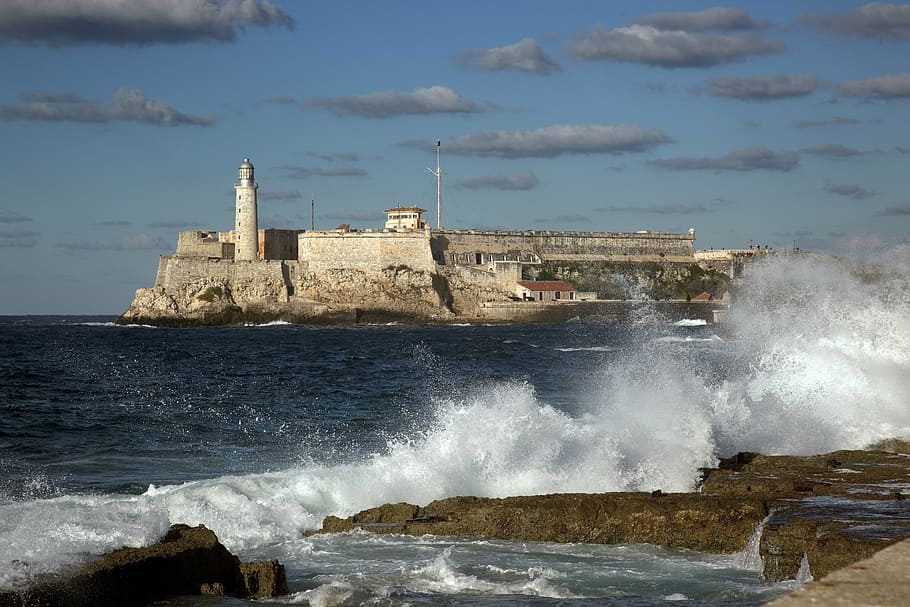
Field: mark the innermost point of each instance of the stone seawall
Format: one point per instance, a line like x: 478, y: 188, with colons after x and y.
x: 597, y: 311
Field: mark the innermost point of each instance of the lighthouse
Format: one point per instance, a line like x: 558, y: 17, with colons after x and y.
x: 246, y: 239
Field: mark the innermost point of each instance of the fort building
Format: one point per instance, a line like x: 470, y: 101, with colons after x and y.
x: 509, y: 259
x: 405, y: 218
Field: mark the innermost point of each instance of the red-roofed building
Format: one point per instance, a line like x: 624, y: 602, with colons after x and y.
x: 545, y: 290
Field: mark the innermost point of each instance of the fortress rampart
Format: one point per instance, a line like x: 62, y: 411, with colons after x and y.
x: 466, y: 247
x: 367, y: 251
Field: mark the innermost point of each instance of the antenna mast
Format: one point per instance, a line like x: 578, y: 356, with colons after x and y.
x: 313, y: 213
x: 438, y: 174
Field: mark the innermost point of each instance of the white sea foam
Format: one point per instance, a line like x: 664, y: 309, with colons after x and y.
x: 586, y: 349
x: 271, y: 323
x: 691, y: 322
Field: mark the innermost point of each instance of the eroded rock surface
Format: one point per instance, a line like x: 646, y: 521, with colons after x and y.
x: 187, y: 560
x: 834, y: 509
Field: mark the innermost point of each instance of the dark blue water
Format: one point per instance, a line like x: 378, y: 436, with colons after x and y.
x: 109, y: 434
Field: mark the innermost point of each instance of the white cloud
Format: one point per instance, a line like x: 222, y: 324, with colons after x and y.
x: 761, y: 88
x: 555, y: 140
x: 880, y: 20
x: 831, y: 150
x: 670, y: 49
x: 526, y: 55
x: 888, y: 86
x: 515, y: 181
x: 746, y: 159
x: 126, y: 106
x: 299, y: 172
x: 716, y: 18
x: 385, y: 104
x: 139, y: 22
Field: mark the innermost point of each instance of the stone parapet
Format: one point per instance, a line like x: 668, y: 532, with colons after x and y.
x: 366, y: 251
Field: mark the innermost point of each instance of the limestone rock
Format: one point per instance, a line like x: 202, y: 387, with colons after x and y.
x: 187, y: 560
x: 835, y: 508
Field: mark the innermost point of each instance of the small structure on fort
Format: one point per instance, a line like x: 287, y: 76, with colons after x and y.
x: 405, y: 218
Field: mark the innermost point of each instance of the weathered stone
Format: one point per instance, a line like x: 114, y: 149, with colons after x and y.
x: 187, y: 561
x: 264, y: 579
x: 834, y: 515
x: 717, y: 524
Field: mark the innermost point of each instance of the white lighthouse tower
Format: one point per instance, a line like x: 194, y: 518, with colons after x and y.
x: 246, y: 239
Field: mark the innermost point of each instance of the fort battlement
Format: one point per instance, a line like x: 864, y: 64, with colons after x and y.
x: 467, y: 247
x: 366, y: 251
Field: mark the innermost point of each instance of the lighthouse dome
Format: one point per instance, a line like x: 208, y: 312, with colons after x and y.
x: 245, y: 172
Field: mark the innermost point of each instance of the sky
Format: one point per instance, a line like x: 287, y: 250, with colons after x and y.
x: 780, y: 124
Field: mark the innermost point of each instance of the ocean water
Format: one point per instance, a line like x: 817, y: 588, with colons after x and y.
x: 109, y: 434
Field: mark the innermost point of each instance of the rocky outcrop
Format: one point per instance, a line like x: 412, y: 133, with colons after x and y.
x: 193, y: 292
x: 187, y: 561
x: 832, y: 509
x: 710, y: 524
x: 394, y: 291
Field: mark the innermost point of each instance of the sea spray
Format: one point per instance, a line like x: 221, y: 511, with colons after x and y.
x: 831, y: 366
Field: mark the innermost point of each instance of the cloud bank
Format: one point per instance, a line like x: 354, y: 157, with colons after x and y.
x: 831, y: 150
x: 385, y: 104
x: 516, y: 181
x: 299, y: 172
x: 835, y: 121
x: 553, y: 141
x: 23, y: 239
x: 137, y: 22
x: 754, y: 158
x: 874, y: 20
x: 126, y: 106
x: 888, y: 86
x: 716, y: 18
x: 526, y: 55
x: 658, y: 209
x: 850, y: 190
x: 669, y: 48
x: 761, y: 88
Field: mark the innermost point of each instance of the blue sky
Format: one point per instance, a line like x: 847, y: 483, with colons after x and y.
x: 773, y: 123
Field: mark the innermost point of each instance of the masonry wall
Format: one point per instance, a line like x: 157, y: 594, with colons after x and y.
x: 203, y: 243
x: 551, y: 246
x: 367, y: 251
x: 248, y: 280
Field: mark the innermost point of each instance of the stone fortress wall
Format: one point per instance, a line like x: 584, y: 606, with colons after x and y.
x: 474, y: 247
x: 366, y: 251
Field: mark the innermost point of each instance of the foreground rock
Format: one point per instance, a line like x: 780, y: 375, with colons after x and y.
x: 832, y: 509
x: 880, y: 580
x: 188, y: 560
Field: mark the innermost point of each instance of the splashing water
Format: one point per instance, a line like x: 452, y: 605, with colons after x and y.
x: 821, y: 361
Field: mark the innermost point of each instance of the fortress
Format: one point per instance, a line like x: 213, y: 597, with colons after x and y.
x: 405, y: 269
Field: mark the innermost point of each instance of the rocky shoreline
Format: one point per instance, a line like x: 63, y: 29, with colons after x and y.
x: 806, y: 514
x: 186, y: 561
x: 824, y: 511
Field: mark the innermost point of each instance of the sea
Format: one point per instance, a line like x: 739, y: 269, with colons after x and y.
x: 109, y: 434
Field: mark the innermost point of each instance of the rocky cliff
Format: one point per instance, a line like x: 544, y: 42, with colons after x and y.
x: 193, y: 291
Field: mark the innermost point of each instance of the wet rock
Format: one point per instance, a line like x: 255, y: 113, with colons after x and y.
x: 264, y: 579
x: 187, y: 561
x: 835, y: 509
x: 711, y: 524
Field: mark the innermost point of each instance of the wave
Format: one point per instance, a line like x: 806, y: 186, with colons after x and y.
x: 691, y: 322
x: 271, y: 323
x: 825, y: 364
